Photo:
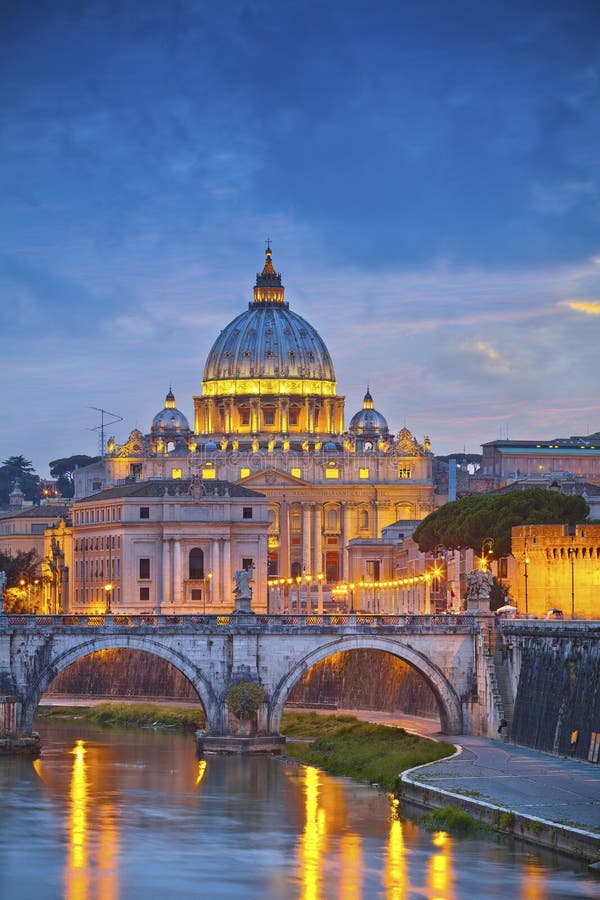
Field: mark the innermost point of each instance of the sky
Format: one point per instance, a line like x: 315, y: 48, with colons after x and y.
x: 428, y: 174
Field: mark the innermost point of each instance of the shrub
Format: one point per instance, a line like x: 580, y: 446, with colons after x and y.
x: 243, y: 700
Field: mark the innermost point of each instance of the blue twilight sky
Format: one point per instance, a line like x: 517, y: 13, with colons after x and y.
x: 429, y: 174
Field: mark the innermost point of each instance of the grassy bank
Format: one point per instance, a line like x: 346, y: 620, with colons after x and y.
x: 130, y: 715
x: 344, y: 745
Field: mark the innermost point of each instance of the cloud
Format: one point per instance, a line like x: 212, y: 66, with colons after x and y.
x: 590, y: 307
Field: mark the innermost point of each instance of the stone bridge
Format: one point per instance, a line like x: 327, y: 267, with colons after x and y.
x: 451, y: 653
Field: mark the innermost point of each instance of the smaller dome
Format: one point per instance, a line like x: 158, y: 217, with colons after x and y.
x: 368, y: 421
x: 329, y: 446
x: 169, y: 421
x: 210, y: 446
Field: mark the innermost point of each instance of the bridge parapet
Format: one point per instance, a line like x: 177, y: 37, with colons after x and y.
x: 268, y: 624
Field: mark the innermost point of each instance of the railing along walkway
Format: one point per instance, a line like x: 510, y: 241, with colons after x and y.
x: 279, y: 623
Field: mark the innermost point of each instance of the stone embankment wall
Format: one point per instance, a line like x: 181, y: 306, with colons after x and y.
x: 556, y: 672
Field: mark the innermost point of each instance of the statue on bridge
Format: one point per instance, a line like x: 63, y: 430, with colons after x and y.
x: 242, y: 591
x: 2, y: 586
x: 479, y: 588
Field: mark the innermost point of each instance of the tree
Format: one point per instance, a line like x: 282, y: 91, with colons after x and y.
x: 469, y: 521
x: 17, y: 468
x: 23, y: 566
x: 64, y: 469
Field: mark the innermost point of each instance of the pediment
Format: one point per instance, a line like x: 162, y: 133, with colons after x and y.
x: 271, y: 477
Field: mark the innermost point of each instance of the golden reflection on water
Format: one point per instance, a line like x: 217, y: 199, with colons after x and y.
x: 93, y: 837
x: 439, y: 870
x: 395, y: 877
x: 352, y: 868
x: 311, y: 846
x: 201, y: 770
x: 76, y: 875
x: 534, y: 884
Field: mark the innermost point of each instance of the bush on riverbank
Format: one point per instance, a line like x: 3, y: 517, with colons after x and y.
x: 453, y: 820
x: 344, y: 745
x: 132, y: 715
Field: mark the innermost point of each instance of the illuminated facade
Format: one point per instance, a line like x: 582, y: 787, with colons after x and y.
x: 269, y: 417
x: 166, y: 547
x: 554, y: 566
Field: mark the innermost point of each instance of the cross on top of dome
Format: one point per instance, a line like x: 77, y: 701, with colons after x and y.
x: 268, y: 288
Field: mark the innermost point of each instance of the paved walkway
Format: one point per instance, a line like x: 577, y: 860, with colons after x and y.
x: 560, y: 790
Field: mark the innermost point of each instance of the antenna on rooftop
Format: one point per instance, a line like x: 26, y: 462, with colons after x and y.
x: 103, y: 423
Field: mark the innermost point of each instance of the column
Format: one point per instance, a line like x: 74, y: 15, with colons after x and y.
x: 226, y: 578
x: 167, y: 579
x: 346, y: 510
x: 215, y: 567
x: 317, y: 548
x: 306, y: 538
x: 177, y: 594
x: 254, y: 423
x: 284, y: 539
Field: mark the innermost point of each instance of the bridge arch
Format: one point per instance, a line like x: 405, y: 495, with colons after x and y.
x: 87, y: 646
x: 448, y: 701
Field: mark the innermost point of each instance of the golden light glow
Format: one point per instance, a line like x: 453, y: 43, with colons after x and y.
x: 590, y: 307
x: 439, y: 871
x: 363, y: 473
x: 395, y: 878
x: 239, y: 387
x: 201, y: 770
x: 351, y: 868
x: 297, y: 473
x: 77, y: 876
x: 244, y: 472
x: 175, y: 473
x: 332, y: 473
x: 312, y: 842
x: 209, y: 473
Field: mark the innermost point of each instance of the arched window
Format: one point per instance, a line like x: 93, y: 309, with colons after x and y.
x: 196, y: 563
x: 363, y: 519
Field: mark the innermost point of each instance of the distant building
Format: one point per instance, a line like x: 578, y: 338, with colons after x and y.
x: 504, y: 461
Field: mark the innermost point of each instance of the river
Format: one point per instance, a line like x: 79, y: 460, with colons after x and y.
x: 111, y: 814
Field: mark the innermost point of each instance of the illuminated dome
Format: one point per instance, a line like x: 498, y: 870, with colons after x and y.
x: 269, y: 373
x: 269, y: 341
x: 169, y: 422
x: 368, y: 422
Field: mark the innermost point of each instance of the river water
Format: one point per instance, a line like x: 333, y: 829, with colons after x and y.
x: 135, y: 814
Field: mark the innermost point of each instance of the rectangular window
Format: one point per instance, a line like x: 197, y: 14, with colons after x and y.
x: 96, y: 485
x: 244, y: 472
x: 209, y: 473
x: 247, y: 512
x: 293, y: 416
x: 297, y: 473
x: 144, y: 567
x: 247, y: 562
x: 373, y: 569
x: 144, y: 595
x: 405, y: 472
x: 363, y: 473
x: 244, y: 416
x: 144, y: 512
x: 269, y: 415
x: 175, y: 473
x: 196, y: 595
x: 332, y: 473
x: 135, y: 470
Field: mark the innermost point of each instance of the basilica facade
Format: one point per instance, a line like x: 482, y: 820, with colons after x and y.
x: 269, y: 418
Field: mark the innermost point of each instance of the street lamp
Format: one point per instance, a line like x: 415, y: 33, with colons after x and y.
x: 487, y: 549
x: 351, y: 587
x: 526, y: 575
x: 572, y: 553
x: 108, y: 589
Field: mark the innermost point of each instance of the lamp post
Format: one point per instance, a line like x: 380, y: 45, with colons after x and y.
x: 108, y: 590
x: 320, y: 578
x: 572, y: 553
x: 526, y: 575
x: 351, y: 588
x: 487, y: 550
